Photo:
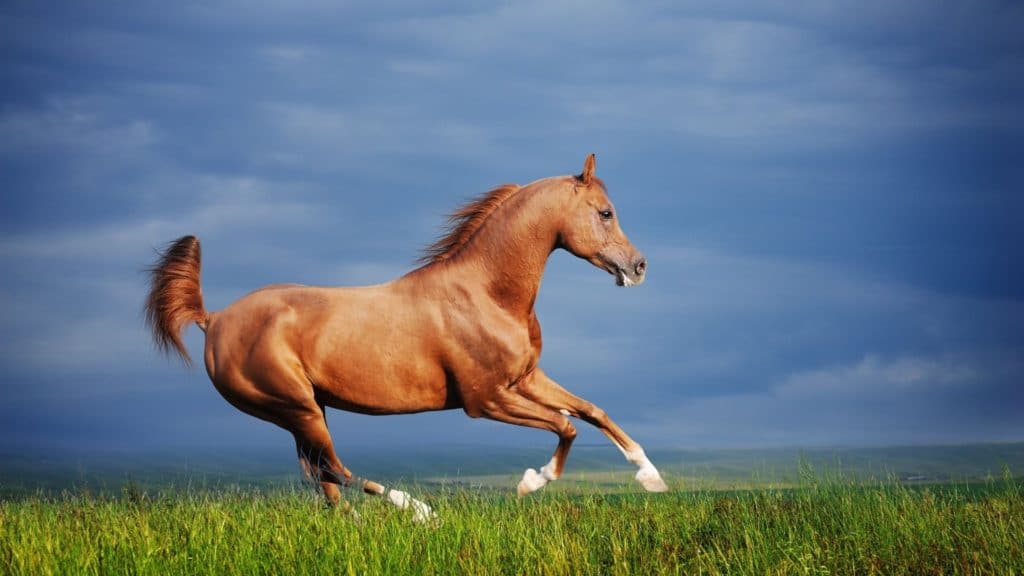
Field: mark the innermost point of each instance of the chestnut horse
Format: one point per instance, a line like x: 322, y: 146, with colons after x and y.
x: 458, y: 332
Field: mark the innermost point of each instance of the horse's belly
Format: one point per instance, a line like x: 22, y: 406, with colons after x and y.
x: 369, y: 380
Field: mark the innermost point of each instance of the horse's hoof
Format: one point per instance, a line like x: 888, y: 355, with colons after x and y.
x: 531, y: 482
x: 650, y: 479
x: 422, y: 514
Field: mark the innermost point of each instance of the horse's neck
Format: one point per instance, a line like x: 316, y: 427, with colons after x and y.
x: 510, y: 251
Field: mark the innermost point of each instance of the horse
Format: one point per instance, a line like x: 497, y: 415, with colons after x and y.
x: 459, y: 331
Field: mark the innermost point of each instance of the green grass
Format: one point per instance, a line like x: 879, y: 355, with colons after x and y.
x: 825, y: 524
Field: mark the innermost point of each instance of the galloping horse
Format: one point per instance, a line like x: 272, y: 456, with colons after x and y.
x: 458, y: 332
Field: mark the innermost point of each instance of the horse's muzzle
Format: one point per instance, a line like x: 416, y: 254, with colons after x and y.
x: 633, y: 274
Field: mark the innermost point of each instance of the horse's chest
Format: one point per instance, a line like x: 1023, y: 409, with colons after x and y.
x: 509, y: 353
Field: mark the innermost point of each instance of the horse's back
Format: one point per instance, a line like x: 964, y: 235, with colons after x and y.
x: 358, y: 348
x: 276, y: 316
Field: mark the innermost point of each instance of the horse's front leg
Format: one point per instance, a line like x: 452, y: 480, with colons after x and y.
x: 509, y: 406
x: 547, y: 392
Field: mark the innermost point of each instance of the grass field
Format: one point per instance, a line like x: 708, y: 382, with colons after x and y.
x: 828, y: 528
x: 820, y: 521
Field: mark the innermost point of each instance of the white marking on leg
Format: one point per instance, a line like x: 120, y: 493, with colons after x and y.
x: 648, y: 476
x: 533, y: 480
x: 565, y: 412
x: 548, y: 470
x: 421, y: 512
x: 637, y: 456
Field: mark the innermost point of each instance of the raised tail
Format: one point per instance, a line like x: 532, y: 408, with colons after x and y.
x: 175, y: 298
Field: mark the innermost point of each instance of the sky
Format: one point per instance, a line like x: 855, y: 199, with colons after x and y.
x: 829, y: 195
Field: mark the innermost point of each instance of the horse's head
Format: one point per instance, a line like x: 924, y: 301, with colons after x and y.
x: 591, y: 231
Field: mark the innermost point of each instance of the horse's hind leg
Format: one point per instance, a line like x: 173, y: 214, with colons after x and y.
x: 311, y: 466
x: 314, y: 443
x: 317, y: 458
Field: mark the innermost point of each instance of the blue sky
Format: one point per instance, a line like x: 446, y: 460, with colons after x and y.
x: 829, y: 195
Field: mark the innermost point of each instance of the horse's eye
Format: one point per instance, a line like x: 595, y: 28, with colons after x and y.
x: 606, y: 214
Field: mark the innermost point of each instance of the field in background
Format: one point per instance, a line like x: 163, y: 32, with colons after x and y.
x: 948, y: 510
x: 51, y: 472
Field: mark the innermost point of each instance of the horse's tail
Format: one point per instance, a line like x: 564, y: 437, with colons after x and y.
x: 175, y: 298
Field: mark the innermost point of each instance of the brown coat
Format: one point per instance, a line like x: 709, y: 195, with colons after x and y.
x: 458, y: 332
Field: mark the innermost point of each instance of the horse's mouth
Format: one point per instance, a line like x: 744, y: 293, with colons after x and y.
x: 622, y: 276
x: 622, y: 279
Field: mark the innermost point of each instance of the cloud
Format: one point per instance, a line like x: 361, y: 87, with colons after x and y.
x: 424, y: 67
x: 698, y: 281
x: 288, y: 54
x: 306, y: 142
x: 363, y: 273
x: 324, y: 138
x: 876, y: 376
x: 875, y: 400
x: 719, y: 73
x: 67, y: 125
x: 103, y: 343
x: 222, y: 205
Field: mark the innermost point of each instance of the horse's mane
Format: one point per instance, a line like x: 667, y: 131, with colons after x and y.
x: 464, y: 222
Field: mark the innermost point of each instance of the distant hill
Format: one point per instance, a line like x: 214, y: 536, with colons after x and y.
x: 500, y: 467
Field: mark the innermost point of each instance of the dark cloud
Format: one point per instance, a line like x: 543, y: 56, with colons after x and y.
x: 829, y: 198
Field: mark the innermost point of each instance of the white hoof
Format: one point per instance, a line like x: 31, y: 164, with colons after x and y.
x: 531, y: 482
x: 420, y: 511
x: 650, y: 479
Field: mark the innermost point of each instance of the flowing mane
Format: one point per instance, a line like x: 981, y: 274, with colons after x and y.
x: 464, y: 222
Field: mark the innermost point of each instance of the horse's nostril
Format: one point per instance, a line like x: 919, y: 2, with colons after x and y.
x: 641, y: 266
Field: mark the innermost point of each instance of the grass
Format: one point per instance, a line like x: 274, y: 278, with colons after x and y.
x: 824, y: 524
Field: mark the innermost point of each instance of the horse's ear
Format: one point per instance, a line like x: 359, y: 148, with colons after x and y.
x: 588, y: 170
